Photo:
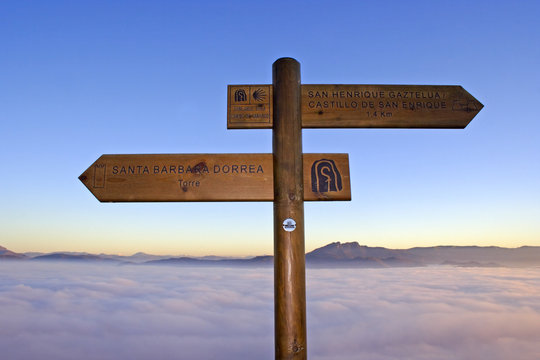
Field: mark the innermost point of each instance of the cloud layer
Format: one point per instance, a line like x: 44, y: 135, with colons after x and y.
x: 83, y: 311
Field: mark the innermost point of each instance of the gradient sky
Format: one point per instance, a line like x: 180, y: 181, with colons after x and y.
x: 83, y: 78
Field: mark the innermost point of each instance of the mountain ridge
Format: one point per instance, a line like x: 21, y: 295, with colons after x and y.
x: 335, y: 254
x: 8, y: 254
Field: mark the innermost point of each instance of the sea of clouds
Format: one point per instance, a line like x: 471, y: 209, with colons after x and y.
x: 95, y: 311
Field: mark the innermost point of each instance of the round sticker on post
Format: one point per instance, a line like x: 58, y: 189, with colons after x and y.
x: 289, y: 225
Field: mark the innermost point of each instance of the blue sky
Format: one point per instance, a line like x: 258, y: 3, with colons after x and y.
x: 85, y: 78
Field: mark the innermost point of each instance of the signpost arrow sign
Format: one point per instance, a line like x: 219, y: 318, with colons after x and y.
x: 361, y: 106
x: 210, y: 177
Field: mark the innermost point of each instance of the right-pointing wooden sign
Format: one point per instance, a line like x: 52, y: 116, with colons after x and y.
x: 359, y: 106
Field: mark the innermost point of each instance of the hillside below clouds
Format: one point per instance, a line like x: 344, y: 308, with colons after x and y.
x: 339, y: 255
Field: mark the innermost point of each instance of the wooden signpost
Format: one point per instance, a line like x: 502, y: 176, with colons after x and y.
x: 287, y: 177
x: 210, y: 177
x: 363, y: 106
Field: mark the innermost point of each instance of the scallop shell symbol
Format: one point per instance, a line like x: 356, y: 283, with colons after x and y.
x: 259, y: 95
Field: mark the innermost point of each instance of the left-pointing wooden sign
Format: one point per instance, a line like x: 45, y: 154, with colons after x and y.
x: 209, y: 177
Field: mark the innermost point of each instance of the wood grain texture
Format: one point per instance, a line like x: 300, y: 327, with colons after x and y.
x: 387, y: 106
x: 207, y: 177
x: 384, y: 106
x: 289, y: 250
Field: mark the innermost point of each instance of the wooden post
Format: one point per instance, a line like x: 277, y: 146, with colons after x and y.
x: 289, y: 251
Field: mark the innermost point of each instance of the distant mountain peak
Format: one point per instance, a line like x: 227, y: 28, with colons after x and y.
x: 338, y: 250
x: 140, y: 253
x: 8, y: 254
x: 346, y: 245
